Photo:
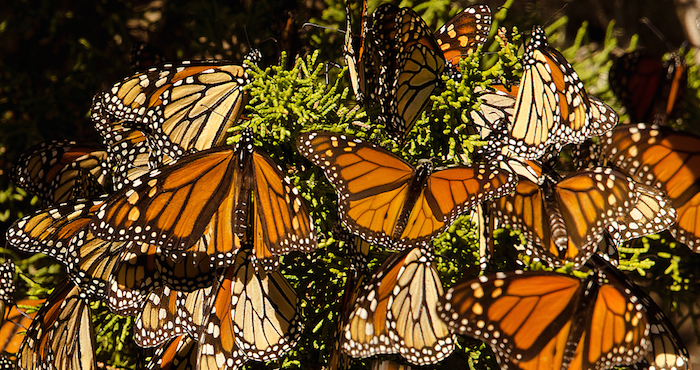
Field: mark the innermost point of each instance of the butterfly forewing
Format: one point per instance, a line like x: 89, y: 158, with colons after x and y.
x: 184, y: 107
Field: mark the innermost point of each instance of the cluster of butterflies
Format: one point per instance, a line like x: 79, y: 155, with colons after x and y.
x: 166, y: 223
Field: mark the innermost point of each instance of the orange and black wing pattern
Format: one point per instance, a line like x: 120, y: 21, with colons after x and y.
x: 463, y: 34
x: 61, y: 335
x: 182, y: 107
x: 204, y: 200
x: 59, y: 171
x: 385, y: 200
x: 410, y: 66
x: 563, y: 221
x: 551, y: 105
x: 548, y: 320
x: 395, y: 312
x: 664, y: 158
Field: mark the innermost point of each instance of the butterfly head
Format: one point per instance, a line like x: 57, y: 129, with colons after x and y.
x: 424, y: 168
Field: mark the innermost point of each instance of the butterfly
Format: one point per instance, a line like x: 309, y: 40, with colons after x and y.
x: 61, y: 335
x: 204, y: 200
x: 183, y: 107
x: 386, y: 200
x: 56, y: 171
x: 649, y: 88
x: 410, y: 65
x: 361, y: 58
x: 551, y: 106
x: 395, y: 312
x: 564, y: 219
x: 122, y: 273
x: 464, y: 33
x: 253, y: 316
x: 540, y: 319
x: 665, y: 158
x: 666, y: 350
x: 113, y: 271
x: 246, y: 314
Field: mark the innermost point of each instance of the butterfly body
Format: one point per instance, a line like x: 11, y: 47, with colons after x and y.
x: 415, y: 187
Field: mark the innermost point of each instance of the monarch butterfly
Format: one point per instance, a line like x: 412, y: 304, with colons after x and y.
x: 15, y: 323
x: 543, y: 320
x: 362, y: 64
x: 180, y: 353
x: 666, y: 350
x: 115, y: 272
x: 204, y: 198
x: 667, y: 159
x: 649, y: 88
x: 57, y: 171
x: 395, y: 312
x: 563, y: 220
x: 551, y: 105
x: 410, y: 63
x: 387, y: 201
x: 497, y: 114
x: 61, y: 335
x: 253, y: 316
x: 464, y: 33
x: 247, y: 314
x: 181, y: 107
x: 122, y: 272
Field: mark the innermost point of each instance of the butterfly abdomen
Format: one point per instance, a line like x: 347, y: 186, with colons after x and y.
x: 560, y: 238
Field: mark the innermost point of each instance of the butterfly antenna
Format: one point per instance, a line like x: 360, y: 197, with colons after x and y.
x: 324, y: 27
x: 647, y: 22
x: 245, y: 30
x: 555, y: 14
x: 23, y: 314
